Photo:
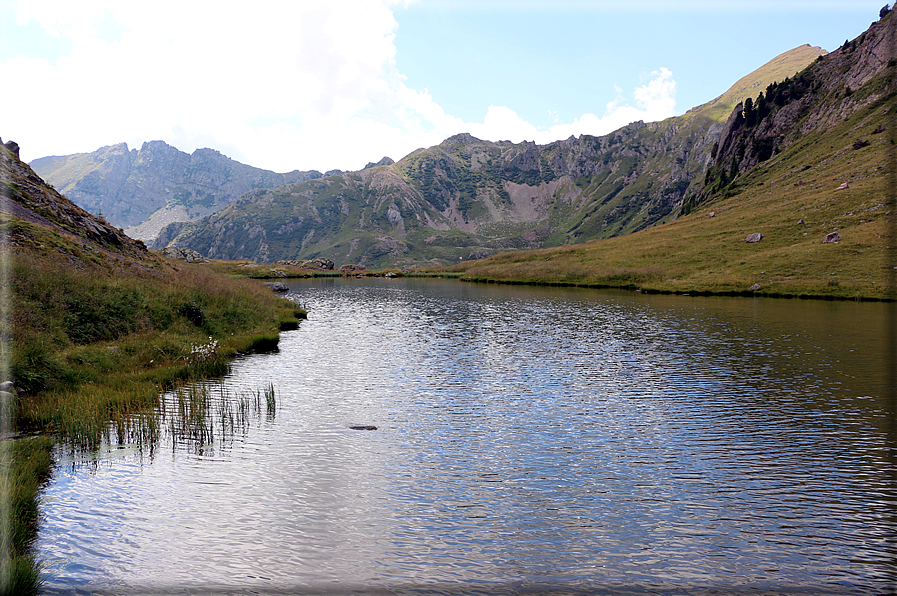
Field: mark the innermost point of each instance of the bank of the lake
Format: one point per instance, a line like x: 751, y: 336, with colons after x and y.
x: 95, y: 344
x: 695, y: 256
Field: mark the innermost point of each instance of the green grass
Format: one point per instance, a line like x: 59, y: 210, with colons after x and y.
x: 24, y: 465
x: 110, y: 342
x: 96, y: 341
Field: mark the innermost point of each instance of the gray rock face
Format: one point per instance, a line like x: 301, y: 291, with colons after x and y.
x: 128, y: 186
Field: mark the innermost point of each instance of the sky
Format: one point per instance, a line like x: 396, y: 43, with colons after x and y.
x: 302, y: 84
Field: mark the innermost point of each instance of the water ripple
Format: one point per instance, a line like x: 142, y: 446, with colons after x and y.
x: 526, y: 439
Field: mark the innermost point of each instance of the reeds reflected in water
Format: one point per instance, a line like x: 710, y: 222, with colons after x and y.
x: 192, y: 417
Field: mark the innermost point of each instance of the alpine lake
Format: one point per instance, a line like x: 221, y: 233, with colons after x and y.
x: 507, y: 440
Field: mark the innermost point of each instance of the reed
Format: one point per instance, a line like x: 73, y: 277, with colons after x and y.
x: 204, y: 414
x: 270, y: 402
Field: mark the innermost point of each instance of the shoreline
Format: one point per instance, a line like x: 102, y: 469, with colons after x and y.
x: 660, y: 291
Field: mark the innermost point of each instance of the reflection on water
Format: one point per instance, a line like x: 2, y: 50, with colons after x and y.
x: 526, y: 439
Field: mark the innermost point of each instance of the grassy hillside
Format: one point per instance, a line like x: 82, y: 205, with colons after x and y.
x: 751, y: 85
x: 792, y: 199
x: 93, y: 328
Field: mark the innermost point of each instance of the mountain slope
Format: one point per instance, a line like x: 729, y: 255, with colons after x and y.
x: 149, y: 188
x: 814, y: 175
x: 32, y: 209
x: 821, y: 96
x: 467, y: 198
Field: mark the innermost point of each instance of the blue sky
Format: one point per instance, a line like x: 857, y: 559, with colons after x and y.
x: 310, y: 85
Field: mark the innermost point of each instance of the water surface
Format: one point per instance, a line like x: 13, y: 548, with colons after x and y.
x: 527, y: 440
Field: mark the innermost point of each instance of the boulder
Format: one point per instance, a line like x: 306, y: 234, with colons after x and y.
x: 277, y: 286
x: 844, y: 186
x: 754, y: 287
x: 187, y: 254
x: 833, y: 237
x: 755, y: 237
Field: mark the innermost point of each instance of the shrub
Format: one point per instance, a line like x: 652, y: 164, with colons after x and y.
x: 192, y: 313
x: 34, y: 367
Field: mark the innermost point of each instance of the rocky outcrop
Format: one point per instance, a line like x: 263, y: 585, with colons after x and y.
x: 186, y: 254
x: 317, y: 264
x: 827, y: 92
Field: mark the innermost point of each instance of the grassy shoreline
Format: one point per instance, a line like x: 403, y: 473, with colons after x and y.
x: 96, y: 341
x: 802, y: 295
x: 625, y: 280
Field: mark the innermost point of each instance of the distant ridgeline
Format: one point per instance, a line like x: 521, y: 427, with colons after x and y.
x: 467, y: 198
x: 145, y: 190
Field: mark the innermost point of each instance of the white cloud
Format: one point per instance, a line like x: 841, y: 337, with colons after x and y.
x: 279, y: 85
x: 655, y: 100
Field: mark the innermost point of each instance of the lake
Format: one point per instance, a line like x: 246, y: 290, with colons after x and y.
x: 528, y: 440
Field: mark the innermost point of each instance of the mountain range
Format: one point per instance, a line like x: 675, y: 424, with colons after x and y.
x: 145, y: 189
x: 468, y: 198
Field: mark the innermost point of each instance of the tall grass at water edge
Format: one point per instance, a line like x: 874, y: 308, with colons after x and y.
x: 24, y: 466
x: 194, y: 416
x: 95, y: 343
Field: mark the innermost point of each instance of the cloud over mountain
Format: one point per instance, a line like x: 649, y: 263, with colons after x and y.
x: 280, y: 85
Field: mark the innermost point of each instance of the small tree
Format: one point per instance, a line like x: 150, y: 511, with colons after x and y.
x: 884, y: 10
x: 750, y: 117
x: 762, y: 108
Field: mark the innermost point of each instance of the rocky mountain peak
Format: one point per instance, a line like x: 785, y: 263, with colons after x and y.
x: 386, y: 161
x: 464, y: 138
